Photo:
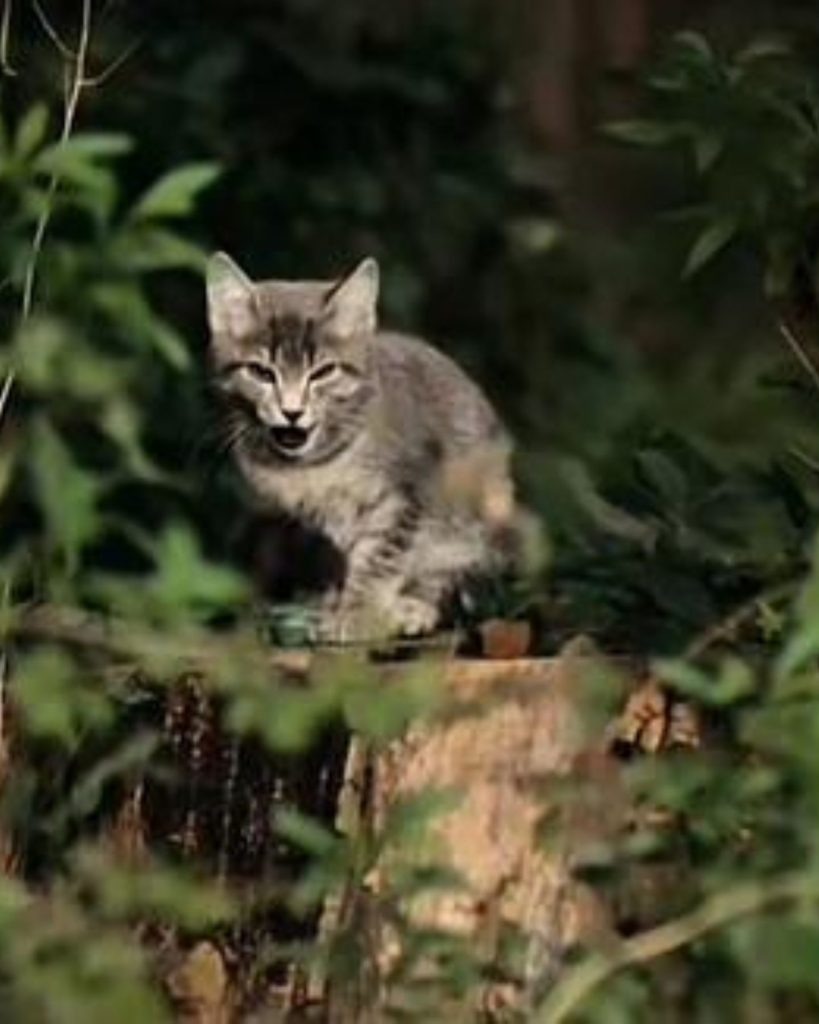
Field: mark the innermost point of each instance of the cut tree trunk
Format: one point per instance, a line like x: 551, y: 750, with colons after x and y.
x: 514, y: 729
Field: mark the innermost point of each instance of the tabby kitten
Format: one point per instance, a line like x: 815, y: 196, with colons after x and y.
x: 376, y: 439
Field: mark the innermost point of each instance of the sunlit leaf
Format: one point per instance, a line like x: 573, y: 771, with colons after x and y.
x: 174, y: 194
x: 643, y: 133
x: 84, y: 147
x: 56, y: 700
x: 185, y: 582
x: 707, y: 148
x: 143, y: 247
x: 68, y: 495
x: 711, y: 240
x: 31, y: 131
x: 734, y: 681
x: 764, y: 48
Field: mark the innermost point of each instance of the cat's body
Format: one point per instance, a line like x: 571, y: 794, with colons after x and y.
x: 378, y: 440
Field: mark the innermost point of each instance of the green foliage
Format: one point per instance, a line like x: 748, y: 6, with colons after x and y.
x: 87, y: 366
x: 743, y: 842
x: 750, y: 126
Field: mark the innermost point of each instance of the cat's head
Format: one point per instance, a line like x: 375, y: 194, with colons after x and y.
x: 293, y: 359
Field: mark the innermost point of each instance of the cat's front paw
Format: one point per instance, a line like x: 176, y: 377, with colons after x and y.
x: 347, y: 626
x: 401, y: 617
x: 412, y: 617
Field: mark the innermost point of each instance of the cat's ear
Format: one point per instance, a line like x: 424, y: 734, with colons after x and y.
x: 231, y: 296
x: 351, y: 304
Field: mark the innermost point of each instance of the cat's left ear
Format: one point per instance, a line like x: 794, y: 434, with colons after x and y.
x: 351, y: 304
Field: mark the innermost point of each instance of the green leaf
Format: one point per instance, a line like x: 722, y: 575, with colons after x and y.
x: 130, y: 314
x: 152, y: 890
x: 734, y: 681
x: 784, y: 954
x: 664, y: 475
x: 88, y: 146
x: 409, y: 819
x: 86, y: 794
x: 308, y: 834
x: 83, y: 181
x: 31, y: 131
x: 708, y: 146
x: 55, y: 700
x: 145, y: 247
x: 643, y: 133
x: 173, y: 195
x: 714, y: 237
x: 185, y: 582
x: 695, y: 44
x: 68, y: 495
x: 765, y: 48
x: 169, y: 343
x: 122, y: 421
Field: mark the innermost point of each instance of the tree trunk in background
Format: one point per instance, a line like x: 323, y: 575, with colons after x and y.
x: 560, y: 51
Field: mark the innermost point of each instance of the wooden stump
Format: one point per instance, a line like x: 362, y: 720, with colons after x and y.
x: 513, y: 730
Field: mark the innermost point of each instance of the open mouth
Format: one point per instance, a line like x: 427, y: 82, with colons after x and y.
x: 290, y: 439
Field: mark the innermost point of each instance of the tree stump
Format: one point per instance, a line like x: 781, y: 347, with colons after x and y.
x: 511, y: 732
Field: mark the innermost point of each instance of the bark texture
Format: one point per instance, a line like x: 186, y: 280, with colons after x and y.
x: 513, y: 730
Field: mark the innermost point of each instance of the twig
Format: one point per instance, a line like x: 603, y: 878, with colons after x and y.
x: 74, y: 87
x: 119, y: 639
x: 798, y: 349
x: 717, y: 911
x: 132, y: 644
x: 730, y: 624
x: 71, y: 104
x: 804, y: 458
x: 5, y: 391
x: 5, y: 27
x: 52, y: 32
x: 102, y: 77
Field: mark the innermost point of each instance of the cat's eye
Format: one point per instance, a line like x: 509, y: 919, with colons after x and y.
x: 261, y: 372
x: 323, y: 371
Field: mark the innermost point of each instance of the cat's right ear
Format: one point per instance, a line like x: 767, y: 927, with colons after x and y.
x: 231, y: 297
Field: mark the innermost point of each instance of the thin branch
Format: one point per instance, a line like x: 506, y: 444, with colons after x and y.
x: 5, y: 391
x: 74, y: 87
x: 122, y: 640
x: 5, y: 28
x: 798, y: 349
x: 804, y: 458
x: 102, y: 77
x: 716, y: 912
x: 130, y: 644
x: 71, y: 105
x: 51, y: 31
x: 728, y: 626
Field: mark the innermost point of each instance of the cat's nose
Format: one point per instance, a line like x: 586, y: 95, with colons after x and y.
x: 292, y: 415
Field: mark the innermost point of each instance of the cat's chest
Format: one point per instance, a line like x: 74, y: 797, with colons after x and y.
x: 336, y: 497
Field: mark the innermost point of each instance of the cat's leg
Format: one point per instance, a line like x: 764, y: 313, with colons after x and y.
x: 444, y: 559
x: 371, y: 604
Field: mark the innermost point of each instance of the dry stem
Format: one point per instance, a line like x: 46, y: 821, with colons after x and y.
x: 798, y: 349
x: 724, y: 908
x: 76, y: 82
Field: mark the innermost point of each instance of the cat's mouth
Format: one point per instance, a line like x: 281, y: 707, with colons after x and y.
x: 290, y: 439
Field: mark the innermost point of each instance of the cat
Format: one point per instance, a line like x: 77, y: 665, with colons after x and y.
x: 377, y: 440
